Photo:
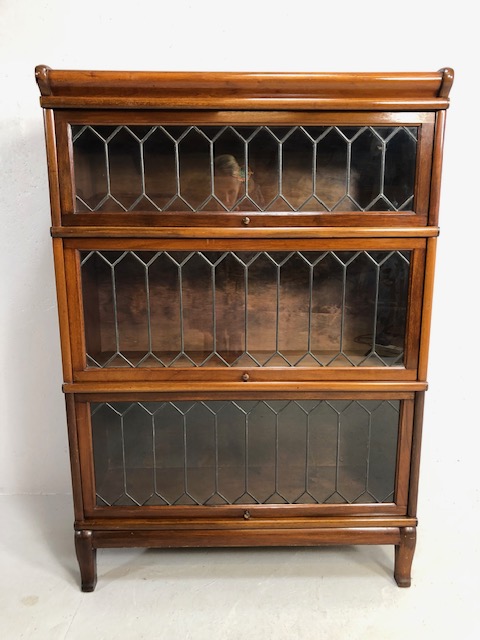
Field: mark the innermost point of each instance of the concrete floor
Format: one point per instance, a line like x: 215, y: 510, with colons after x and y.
x: 332, y: 593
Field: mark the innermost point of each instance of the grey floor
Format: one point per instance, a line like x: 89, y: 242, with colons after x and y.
x: 333, y: 593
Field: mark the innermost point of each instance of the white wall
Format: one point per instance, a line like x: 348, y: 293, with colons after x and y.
x: 210, y: 35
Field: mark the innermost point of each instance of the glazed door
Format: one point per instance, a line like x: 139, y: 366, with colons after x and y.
x: 330, y: 454
x: 282, y: 169
x: 274, y: 310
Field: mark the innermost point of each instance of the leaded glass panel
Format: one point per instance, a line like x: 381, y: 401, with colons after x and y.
x: 238, y: 168
x: 245, y: 308
x: 245, y: 452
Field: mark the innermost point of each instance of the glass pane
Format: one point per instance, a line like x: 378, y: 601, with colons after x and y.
x: 240, y: 168
x: 245, y: 452
x: 238, y: 309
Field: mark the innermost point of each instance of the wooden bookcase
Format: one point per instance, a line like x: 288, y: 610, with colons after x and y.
x: 244, y: 266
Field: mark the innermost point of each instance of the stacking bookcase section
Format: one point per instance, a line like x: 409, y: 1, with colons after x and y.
x: 297, y: 314
x: 179, y: 169
x: 244, y: 268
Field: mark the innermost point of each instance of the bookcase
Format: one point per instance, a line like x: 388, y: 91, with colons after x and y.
x: 244, y: 266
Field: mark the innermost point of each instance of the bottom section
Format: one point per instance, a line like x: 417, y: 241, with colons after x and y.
x: 172, y: 470
x: 289, y: 534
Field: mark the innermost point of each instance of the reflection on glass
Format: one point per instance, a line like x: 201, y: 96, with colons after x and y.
x: 241, y: 309
x: 245, y: 452
x: 207, y: 168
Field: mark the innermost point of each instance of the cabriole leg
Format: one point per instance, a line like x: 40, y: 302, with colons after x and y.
x: 404, y: 556
x: 87, y: 559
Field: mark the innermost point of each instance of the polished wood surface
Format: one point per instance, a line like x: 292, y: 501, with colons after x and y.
x: 346, y: 91
x: 411, y: 103
x: 168, y: 232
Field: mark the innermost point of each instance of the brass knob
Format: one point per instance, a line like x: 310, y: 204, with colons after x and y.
x: 245, y: 377
x: 246, y: 220
x: 246, y: 514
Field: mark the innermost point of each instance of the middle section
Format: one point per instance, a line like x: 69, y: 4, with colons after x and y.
x: 317, y: 308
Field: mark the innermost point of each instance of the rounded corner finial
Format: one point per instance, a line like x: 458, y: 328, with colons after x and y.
x: 41, y: 76
x: 447, y: 81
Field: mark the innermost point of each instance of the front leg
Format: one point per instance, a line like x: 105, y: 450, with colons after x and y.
x: 87, y: 559
x: 404, y: 556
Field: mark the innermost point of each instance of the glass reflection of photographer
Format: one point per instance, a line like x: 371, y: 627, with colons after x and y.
x: 231, y: 182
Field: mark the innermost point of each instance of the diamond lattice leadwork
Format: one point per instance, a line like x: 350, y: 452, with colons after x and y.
x: 229, y: 168
x: 245, y: 452
x: 242, y: 309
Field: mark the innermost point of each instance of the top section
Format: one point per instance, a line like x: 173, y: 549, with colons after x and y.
x: 226, y: 91
x: 170, y: 154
